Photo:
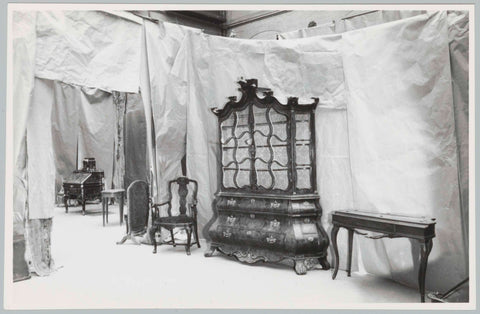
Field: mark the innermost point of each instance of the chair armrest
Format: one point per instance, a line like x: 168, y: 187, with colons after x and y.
x: 161, y: 204
x: 155, y: 209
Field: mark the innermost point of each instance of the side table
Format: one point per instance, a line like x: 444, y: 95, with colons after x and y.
x: 118, y: 194
x: 421, y: 229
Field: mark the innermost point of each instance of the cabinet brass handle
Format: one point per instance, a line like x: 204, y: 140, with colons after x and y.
x: 271, y: 240
x: 306, y: 220
x: 231, y: 219
x: 274, y: 223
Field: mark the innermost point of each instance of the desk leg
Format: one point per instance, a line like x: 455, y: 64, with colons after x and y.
x: 103, y: 210
x: 335, y: 250
x: 425, y: 248
x: 120, y: 205
x: 106, y: 208
x: 350, y: 248
x: 65, y: 202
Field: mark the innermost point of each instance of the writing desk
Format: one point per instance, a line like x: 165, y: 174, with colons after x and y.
x: 421, y: 229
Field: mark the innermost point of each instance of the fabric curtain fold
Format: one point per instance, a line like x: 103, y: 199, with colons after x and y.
x: 164, y: 103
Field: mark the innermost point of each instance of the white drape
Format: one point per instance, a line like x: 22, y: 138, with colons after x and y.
x: 89, y: 48
x: 23, y: 72
x: 164, y: 102
x: 398, y: 138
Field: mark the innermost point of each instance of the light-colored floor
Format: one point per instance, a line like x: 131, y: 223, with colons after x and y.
x: 95, y: 272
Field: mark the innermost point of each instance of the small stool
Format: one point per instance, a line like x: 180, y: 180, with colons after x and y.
x: 108, y: 194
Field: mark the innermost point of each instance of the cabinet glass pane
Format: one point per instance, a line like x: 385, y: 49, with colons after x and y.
x: 303, y: 178
x: 264, y: 177
x: 302, y: 154
x: 281, y: 178
x: 228, y: 178
x: 241, y: 127
x: 226, y: 128
x: 243, y: 175
x: 302, y: 123
x: 279, y: 126
x: 227, y: 157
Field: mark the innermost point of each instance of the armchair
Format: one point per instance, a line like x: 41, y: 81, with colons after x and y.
x: 186, y: 217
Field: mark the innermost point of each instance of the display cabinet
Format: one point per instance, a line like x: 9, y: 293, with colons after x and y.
x: 267, y: 207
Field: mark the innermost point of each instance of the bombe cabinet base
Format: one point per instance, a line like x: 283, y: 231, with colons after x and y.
x: 252, y: 256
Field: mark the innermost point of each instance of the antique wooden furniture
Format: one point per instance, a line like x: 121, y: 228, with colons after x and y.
x: 421, y: 229
x: 186, y: 217
x: 83, y: 185
x: 117, y: 194
x: 267, y: 207
x: 138, y: 198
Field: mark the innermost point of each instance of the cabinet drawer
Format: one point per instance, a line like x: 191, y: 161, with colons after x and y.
x: 227, y: 234
x: 275, y: 240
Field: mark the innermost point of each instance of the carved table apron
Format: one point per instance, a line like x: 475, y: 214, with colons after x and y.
x: 421, y: 229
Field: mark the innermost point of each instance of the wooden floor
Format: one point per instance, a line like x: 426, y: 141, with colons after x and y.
x: 94, y: 272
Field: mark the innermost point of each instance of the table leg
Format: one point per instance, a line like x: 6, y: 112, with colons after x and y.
x: 65, y: 202
x: 425, y: 248
x: 106, y: 209
x: 120, y: 205
x: 103, y: 210
x: 335, y: 250
x: 350, y: 248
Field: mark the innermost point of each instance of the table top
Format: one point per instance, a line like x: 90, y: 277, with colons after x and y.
x: 386, y: 216
x: 113, y: 191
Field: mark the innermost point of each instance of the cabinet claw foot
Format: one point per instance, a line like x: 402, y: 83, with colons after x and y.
x: 210, y: 251
x: 325, y: 264
x: 300, y: 267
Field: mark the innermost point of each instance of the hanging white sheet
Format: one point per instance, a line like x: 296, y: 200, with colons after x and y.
x: 23, y: 71
x: 65, y: 130
x: 402, y: 141
x: 164, y: 101
x: 400, y: 126
x: 458, y: 32
x: 41, y: 161
x: 89, y: 48
x: 97, y: 130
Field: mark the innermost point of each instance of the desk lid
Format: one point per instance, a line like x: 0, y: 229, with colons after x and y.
x: 77, y: 177
x: 397, y: 217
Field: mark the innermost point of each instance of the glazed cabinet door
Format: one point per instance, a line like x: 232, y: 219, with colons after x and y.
x: 235, y: 143
x: 304, y: 154
x: 271, y: 149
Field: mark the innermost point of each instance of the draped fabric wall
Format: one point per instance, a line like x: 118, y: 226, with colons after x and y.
x: 23, y: 44
x: 395, y: 149
x: 164, y: 103
x: 90, y: 51
x: 458, y: 30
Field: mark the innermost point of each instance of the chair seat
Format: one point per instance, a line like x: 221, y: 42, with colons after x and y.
x: 174, y: 220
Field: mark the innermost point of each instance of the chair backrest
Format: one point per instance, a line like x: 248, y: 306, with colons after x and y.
x: 187, y: 189
x: 138, y: 206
